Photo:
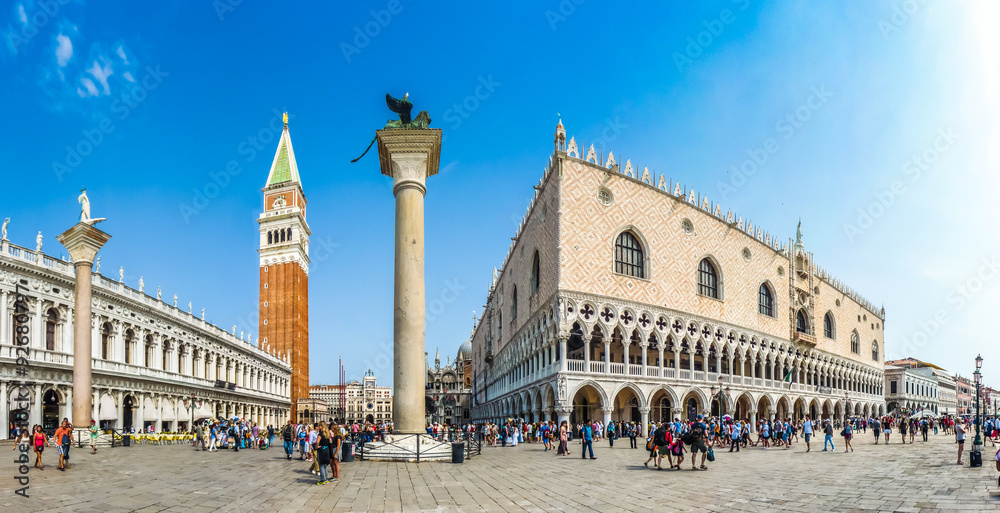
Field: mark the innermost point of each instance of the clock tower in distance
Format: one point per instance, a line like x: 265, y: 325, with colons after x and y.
x: 284, y: 269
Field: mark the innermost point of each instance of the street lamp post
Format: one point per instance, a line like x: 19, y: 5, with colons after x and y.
x: 978, y: 442
x: 846, y: 406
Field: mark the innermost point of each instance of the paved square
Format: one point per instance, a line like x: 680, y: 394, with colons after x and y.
x: 921, y: 477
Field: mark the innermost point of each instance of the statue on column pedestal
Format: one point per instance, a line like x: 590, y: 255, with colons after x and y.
x: 38, y: 242
x: 141, y: 284
x: 85, y: 209
x: 3, y: 230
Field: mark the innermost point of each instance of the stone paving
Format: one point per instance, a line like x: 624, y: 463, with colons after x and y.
x: 922, y: 477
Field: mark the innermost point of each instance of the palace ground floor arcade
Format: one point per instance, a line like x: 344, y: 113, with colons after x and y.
x: 135, y: 406
x: 644, y: 401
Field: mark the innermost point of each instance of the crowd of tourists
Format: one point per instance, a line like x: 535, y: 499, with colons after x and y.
x: 673, y: 440
x: 62, y: 439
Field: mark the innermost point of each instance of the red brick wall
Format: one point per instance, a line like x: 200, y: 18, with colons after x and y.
x: 284, y: 307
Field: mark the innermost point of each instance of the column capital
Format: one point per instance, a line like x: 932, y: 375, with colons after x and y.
x: 608, y: 409
x: 644, y: 410
x: 83, y: 241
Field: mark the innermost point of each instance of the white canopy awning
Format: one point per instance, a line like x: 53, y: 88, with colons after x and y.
x: 203, y: 412
x: 166, y: 411
x: 107, y: 410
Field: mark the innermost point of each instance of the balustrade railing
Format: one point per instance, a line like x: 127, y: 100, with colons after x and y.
x: 576, y: 365
x: 617, y: 368
x: 669, y: 372
x: 597, y: 367
x: 653, y: 372
x: 634, y: 370
x: 685, y: 374
x: 699, y: 375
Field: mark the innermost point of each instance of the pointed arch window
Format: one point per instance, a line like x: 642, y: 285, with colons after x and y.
x: 855, y: 343
x: 270, y: 238
x: 629, y: 257
x: 535, y: 272
x: 801, y: 325
x: 282, y: 235
x: 708, y: 279
x: 765, y: 301
x: 828, y: 326
x: 875, y: 353
x: 513, y: 305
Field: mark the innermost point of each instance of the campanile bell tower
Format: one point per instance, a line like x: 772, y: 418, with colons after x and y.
x: 284, y: 268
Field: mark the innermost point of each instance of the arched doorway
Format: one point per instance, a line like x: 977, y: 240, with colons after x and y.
x: 50, y: 411
x: 626, y: 405
x: 782, y: 408
x: 127, y: 409
x: 743, y: 407
x: 764, y: 408
x: 661, y: 407
x: 586, y: 405
x: 370, y: 419
x: 692, y: 409
x: 800, y: 409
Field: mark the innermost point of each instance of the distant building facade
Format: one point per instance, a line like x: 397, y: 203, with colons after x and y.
x: 364, y: 401
x: 449, y: 389
x: 944, y: 384
x: 154, y: 363
x: 909, y: 390
x: 965, y: 393
x: 627, y: 297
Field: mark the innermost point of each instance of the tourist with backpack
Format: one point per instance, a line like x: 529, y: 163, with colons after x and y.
x: 697, y: 442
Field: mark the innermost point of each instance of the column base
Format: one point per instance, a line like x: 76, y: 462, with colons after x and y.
x: 404, y: 448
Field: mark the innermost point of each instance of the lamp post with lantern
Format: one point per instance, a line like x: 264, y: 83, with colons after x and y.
x: 978, y: 442
x: 720, y: 395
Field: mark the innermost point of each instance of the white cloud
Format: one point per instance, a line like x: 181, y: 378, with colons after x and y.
x: 21, y: 14
x: 64, y: 50
x: 128, y: 76
x: 91, y: 88
x: 101, y: 74
x: 121, y: 53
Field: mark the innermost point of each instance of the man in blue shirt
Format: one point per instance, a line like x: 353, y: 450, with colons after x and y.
x: 734, y: 430
x: 587, y: 439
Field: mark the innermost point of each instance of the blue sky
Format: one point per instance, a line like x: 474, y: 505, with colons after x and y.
x: 146, y: 106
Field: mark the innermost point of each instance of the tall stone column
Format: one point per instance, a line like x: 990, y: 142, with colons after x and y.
x: 83, y: 241
x: 4, y: 411
x: 644, y: 422
x: 409, y: 156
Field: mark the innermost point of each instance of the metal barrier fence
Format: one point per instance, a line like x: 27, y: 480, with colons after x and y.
x: 473, y: 444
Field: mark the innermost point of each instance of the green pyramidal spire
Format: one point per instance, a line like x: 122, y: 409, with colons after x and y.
x: 284, y: 168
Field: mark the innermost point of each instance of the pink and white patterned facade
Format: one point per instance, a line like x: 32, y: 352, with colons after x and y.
x: 573, y: 329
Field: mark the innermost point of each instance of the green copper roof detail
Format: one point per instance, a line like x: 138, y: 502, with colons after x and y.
x: 282, y: 171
